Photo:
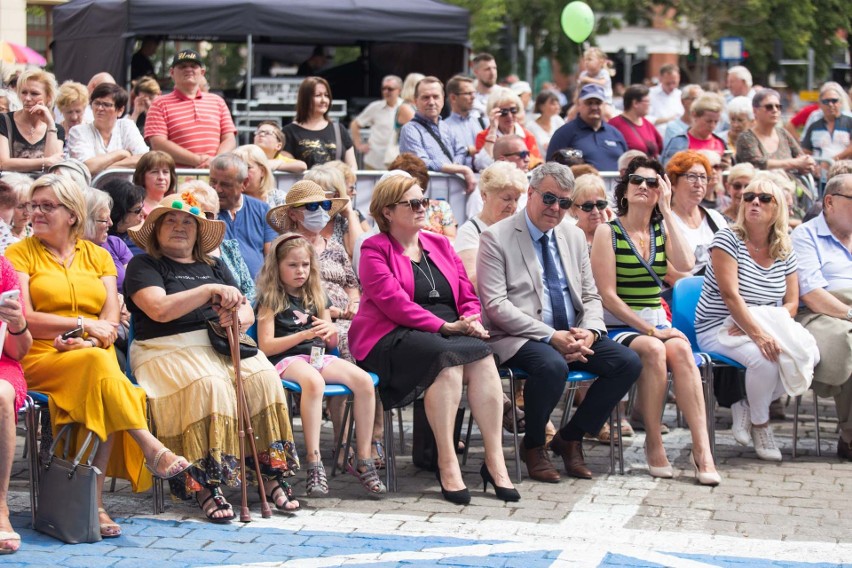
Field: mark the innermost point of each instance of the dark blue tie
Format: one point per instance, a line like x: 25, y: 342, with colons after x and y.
x: 551, y: 279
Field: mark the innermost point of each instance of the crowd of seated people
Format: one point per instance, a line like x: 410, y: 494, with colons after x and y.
x: 548, y: 274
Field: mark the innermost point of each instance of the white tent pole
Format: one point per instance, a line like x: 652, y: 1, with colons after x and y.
x: 250, y: 66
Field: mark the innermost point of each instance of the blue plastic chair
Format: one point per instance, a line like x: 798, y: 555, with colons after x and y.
x: 685, y: 297
x: 34, y: 404
x: 332, y: 389
x: 573, y: 380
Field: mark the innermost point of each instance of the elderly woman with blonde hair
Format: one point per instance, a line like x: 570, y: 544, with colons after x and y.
x: 504, y: 110
x: 752, y: 263
x: 261, y: 181
x: 72, y: 100
x: 351, y: 189
x: 344, y: 227
x: 590, y: 205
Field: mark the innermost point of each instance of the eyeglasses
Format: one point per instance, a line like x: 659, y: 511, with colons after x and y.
x: 829, y: 101
x: 45, y: 207
x: 523, y: 154
x: 696, y: 178
x: 841, y: 195
x: 264, y: 133
x: 467, y: 94
x: 103, y: 105
x: 549, y: 199
x: 326, y: 205
x: 770, y: 107
x: 103, y: 221
x: 507, y: 111
x: 739, y: 186
x: 389, y: 88
x: 719, y: 167
x: 135, y: 211
x: 600, y: 205
x: 636, y: 179
x: 415, y: 204
x: 762, y: 197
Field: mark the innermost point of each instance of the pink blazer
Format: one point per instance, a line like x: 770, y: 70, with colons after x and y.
x: 387, y: 281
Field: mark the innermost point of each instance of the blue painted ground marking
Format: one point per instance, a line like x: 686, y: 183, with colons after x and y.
x: 619, y: 560
x: 739, y: 562
x: 201, y: 544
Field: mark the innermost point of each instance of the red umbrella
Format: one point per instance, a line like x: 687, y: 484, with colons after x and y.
x: 16, y: 53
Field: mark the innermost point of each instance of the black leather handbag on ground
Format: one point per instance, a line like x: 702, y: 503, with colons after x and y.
x: 67, y: 492
x: 424, y: 452
x: 219, y: 340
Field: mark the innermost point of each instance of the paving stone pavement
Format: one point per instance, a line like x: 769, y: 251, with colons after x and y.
x: 789, y: 514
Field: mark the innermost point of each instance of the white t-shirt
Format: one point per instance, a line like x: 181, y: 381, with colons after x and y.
x: 699, y: 239
x: 85, y: 142
x: 664, y: 105
x: 378, y: 117
x: 474, y: 203
x: 542, y: 137
x: 467, y: 237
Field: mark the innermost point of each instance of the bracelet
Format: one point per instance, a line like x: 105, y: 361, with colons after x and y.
x: 91, y: 342
x: 53, y: 130
x: 23, y: 331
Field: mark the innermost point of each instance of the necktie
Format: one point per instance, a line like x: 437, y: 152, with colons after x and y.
x: 551, y: 280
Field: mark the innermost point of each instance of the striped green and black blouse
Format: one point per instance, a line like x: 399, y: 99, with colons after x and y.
x: 634, y: 284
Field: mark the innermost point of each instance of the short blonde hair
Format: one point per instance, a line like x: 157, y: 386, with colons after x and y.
x: 71, y: 92
x: 743, y: 169
x: 203, y: 193
x: 251, y: 153
x: 67, y: 194
x: 500, y: 176
x: 96, y: 200
x: 329, y: 178
x: 385, y: 194
x: 780, y: 244
x: 48, y: 81
x: 344, y: 168
x: 708, y: 102
x: 410, y: 84
x: 500, y: 96
x: 586, y: 186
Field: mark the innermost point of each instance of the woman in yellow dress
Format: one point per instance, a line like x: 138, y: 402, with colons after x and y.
x: 69, y: 284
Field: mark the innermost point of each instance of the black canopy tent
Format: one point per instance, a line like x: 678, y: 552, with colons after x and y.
x: 98, y: 35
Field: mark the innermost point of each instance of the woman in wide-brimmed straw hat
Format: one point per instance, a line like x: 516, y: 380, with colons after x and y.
x: 172, y: 291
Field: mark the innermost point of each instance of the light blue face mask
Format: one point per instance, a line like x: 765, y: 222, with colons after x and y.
x: 315, y: 221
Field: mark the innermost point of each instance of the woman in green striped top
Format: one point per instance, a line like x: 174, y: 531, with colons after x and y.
x: 630, y: 257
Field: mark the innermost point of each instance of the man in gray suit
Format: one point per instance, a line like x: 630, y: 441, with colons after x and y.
x: 542, y: 308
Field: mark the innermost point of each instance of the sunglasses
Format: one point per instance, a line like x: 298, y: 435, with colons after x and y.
x: 415, y: 204
x: 549, y: 199
x: 326, y: 205
x: 829, y: 101
x: 523, y: 154
x: 637, y: 180
x: 739, y: 186
x: 762, y: 197
x: 770, y: 107
x: 600, y: 205
x: 508, y: 111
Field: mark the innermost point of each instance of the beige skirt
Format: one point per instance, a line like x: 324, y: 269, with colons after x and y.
x: 192, y: 396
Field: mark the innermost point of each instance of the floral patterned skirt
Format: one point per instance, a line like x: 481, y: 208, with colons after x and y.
x: 192, y: 396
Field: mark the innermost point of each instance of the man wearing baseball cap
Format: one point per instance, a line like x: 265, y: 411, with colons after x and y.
x: 600, y: 143
x: 190, y: 125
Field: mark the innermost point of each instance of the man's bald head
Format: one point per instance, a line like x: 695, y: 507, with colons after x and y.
x: 511, y: 148
x: 99, y: 78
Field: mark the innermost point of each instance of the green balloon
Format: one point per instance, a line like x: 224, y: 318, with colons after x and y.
x: 578, y: 21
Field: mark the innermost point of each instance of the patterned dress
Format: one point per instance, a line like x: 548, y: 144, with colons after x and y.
x: 337, y: 276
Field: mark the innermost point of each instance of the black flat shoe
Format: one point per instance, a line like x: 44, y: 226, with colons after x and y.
x: 460, y: 497
x: 504, y: 493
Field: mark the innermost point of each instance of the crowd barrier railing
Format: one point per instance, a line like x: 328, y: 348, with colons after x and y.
x: 448, y: 187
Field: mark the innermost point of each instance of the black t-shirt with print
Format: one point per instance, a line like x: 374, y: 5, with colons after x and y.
x: 315, y: 147
x: 145, y: 271
x: 293, y: 320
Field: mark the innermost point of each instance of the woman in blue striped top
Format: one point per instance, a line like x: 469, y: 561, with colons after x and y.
x: 630, y: 258
x: 752, y: 263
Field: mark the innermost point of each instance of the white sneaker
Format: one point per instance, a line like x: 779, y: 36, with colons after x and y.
x: 764, y: 444
x: 741, y: 427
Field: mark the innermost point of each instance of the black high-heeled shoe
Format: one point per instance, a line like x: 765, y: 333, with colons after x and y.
x: 460, y: 497
x: 504, y: 493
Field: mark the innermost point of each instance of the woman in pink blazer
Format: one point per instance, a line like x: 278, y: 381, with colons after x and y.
x: 418, y: 329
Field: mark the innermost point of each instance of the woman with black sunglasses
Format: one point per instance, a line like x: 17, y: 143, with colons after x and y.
x: 629, y: 261
x: 767, y: 145
x: 419, y: 330
x: 506, y: 115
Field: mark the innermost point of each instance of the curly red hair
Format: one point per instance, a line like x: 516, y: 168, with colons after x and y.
x: 681, y: 163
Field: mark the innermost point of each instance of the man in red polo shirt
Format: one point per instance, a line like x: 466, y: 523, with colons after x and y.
x: 190, y: 125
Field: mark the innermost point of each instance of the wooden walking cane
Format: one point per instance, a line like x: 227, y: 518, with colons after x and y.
x: 245, y: 426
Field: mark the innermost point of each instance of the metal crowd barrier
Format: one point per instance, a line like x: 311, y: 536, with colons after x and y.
x: 449, y: 187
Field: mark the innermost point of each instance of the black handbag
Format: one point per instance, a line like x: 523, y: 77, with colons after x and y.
x: 424, y: 451
x: 67, y: 492
x: 219, y: 340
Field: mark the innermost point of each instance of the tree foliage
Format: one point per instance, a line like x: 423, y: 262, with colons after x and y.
x: 798, y: 24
